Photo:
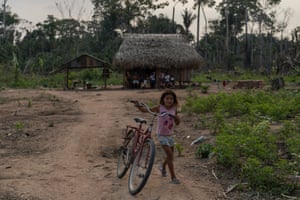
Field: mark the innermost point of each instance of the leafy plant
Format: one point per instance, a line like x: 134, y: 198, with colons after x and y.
x: 257, y: 174
x: 204, y: 88
x: 19, y: 125
x: 217, y: 123
x: 245, y: 142
x: 179, y: 149
x: 29, y: 104
x: 204, y: 150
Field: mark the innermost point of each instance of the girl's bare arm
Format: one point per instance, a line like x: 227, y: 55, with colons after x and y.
x: 176, y: 119
x: 143, y: 109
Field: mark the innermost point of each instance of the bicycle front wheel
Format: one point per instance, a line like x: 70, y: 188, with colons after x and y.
x: 125, y: 154
x: 141, y: 167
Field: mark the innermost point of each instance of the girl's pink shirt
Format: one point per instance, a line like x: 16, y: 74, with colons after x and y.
x: 166, y: 124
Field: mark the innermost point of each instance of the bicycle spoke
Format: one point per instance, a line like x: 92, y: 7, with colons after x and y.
x: 141, y: 167
x: 124, y: 156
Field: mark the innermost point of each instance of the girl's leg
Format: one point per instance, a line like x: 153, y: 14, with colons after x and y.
x: 169, y: 160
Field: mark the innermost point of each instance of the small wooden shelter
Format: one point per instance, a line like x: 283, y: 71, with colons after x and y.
x: 81, y: 62
x: 144, y: 54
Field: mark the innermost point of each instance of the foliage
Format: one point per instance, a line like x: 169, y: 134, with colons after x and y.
x: 115, y: 79
x: 179, y: 149
x: 7, y: 79
x: 188, y: 18
x: 260, y: 175
x: 44, y: 47
x: 29, y: 104
x: 19, y: 125
x: 252, y: 151
x: 246, y: 143
x: 94, y: 76
x: 262, y: 104
x: 204, y: 88
x: 120, y: 14
x: 289, y: 136
x: 204, y: 150
x: 154, y: 24
x: 237, y: 74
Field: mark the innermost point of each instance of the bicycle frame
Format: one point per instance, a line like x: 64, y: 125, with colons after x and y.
x: 138, y: 151
x: 140, y: 136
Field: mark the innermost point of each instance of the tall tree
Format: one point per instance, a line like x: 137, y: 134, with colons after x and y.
x: 8, y: 20
x: 124, y: 13
x: 69, y: 7
x: 188, y: 18
x: 198, y: 4
x: 173, y: 12
x: 4, y: 18
x: 239, y: 13
x: 156, y: 24
x: 8, y: 31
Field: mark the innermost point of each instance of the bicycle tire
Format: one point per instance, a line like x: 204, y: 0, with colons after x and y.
x: 124, y: 158
x: 141, y: 167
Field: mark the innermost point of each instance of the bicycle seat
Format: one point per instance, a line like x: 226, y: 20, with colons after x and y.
x: 140, y: 120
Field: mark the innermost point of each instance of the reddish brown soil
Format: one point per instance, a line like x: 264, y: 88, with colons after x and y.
x: 61, y: 145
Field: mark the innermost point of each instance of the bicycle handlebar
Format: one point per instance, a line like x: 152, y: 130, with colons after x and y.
x: 141, y: 104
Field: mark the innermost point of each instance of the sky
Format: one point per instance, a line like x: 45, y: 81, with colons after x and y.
x: 37, y: 10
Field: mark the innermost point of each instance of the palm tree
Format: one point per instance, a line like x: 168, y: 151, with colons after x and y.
x: 188, y: 18
x: 198, y: 4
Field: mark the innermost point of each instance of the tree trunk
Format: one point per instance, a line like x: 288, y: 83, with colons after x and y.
x: 198, y: 25
x: 277, y: 83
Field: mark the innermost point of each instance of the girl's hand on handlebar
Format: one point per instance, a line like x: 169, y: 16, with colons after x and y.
x: 139, y: 105
x: 136, y: 103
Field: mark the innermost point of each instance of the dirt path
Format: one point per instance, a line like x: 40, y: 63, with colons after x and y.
x: 76, y: 160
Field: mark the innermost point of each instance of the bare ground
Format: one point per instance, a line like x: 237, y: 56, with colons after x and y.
x: 61, y: 145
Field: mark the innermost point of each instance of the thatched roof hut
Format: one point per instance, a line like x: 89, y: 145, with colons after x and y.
x: 159, y: 53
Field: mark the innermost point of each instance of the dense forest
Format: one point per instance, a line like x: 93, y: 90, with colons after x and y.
x: 248, y: 35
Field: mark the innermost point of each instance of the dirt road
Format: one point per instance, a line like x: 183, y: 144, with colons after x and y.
x: 60, y: 145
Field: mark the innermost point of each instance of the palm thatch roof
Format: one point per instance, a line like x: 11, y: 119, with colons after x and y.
x: 165, y: 51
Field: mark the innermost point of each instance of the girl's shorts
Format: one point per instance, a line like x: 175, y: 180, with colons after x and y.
x: 166, y: 140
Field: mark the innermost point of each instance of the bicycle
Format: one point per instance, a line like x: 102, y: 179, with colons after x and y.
x: 137, y: 151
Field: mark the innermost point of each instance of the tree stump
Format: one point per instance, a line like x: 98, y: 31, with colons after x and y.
x: 277, y: 83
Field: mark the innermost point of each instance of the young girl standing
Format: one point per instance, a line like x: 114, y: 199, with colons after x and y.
x: 168, y: 103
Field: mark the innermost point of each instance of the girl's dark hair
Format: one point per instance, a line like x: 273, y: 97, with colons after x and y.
x: 168, y: 92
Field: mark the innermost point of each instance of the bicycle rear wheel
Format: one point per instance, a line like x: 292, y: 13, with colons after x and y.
x: 124, y: 158
x: 141, y: 167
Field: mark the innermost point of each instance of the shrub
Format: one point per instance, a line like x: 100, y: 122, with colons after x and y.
x: 246, y: 144
x: 204, y: 88
x: 179, y: 149
x: 204, y: 150
x: 257, y: 174
x: 19, y: 125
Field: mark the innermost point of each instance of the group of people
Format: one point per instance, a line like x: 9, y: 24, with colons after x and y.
x: 166, y: 80
x: 136, y: 81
